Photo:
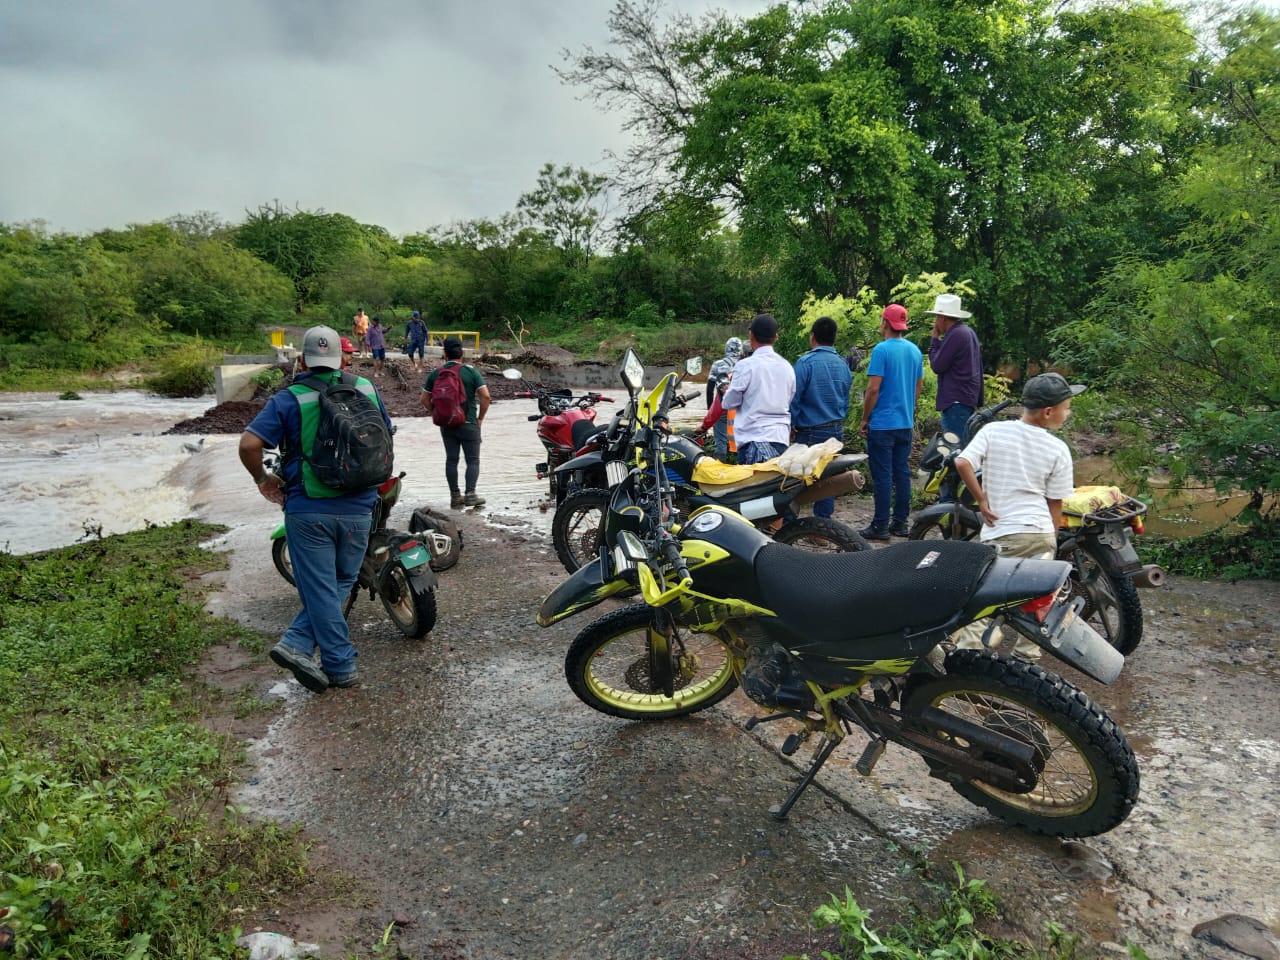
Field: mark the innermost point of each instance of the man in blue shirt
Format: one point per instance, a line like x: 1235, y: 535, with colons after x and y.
x: 895, y: 375
x: 821, y: 401
x: 327, y: 535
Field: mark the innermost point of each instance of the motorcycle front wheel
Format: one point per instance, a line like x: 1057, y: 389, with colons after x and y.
x: 578, y: 526
x: 280, y: 557
x: 1112, y: 606
x: 1088, y: 780
x: 821, y: 535
x: 607, y: 667
x: 413, y: 611
x: 933, y: 528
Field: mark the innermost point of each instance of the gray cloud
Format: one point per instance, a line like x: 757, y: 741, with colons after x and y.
x: 400, y: 112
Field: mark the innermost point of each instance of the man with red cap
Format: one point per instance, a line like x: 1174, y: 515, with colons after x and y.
x: 895, y: 374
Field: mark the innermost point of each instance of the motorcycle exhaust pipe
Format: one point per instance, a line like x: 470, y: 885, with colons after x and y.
x: 842, y: 483
x: 1151, y: 575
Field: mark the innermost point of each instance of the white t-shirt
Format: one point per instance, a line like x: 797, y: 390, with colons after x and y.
x: 1022, y: 466
x: 761, y: 391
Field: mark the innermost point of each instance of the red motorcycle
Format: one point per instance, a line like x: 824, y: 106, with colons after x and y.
x: 566, y: 424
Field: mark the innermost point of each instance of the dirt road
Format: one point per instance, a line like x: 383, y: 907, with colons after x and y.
x: 468, y: 792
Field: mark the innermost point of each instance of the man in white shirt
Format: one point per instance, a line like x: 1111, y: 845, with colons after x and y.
x: 761, y: 391
x: 1026, y: 474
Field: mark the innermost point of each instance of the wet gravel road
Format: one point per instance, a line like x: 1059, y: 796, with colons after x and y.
x: 473, y: 795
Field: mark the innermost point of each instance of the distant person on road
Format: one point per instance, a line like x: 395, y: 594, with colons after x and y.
x: 359, y: 330
x: 717, y: 384
x: 457, y: 399
x: 1026, y: 474
x: 821, y: 402
x: 377, y: 338
x: 416, y: 337
x: 761, y: 391
x: 895, y: 375
x: 956, y: 357
x: 327, y: 530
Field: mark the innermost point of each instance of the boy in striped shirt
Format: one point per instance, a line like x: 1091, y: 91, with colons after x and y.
x: 1026, y: 474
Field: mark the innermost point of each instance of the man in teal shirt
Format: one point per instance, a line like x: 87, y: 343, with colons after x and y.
x: 895, y: 375
x: 821, y: 401
x: 464, y: 439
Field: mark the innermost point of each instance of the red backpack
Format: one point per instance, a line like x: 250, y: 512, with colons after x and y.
x: 449, y: 397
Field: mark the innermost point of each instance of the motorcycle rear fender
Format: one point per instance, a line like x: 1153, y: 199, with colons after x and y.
x: 1085, y: 649
x: 1010, y: 582
x: 585, y: 462
x: 278, y: 533
x: 584, y: 589
x: 966, y: 516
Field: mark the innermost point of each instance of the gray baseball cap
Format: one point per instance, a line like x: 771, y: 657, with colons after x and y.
x: 1049, y: 390
x: 322, y: 347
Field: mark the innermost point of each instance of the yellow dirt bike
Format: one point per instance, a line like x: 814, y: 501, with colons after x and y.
x: 838, y: 642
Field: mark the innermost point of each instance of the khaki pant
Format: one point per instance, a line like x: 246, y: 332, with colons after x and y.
x: 1038, y: 546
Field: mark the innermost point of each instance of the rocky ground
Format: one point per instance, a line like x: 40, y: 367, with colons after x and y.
x: 470, y: 796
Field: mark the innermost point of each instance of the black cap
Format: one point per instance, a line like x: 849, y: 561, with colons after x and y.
x: 764, y: 328
x: 1049, y: 390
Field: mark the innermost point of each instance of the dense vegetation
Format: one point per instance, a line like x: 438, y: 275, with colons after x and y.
x: 1101, y: 181
x: 113, y: 840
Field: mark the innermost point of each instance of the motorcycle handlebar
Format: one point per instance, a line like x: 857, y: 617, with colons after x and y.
x: 671, y: 553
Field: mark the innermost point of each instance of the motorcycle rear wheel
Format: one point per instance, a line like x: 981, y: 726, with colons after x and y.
x: 1112, y: 605
x: 280, y: 557
x: 412, y: 611
x: 607, y: 667
x: 1089, y: 780
x: 578, y: 526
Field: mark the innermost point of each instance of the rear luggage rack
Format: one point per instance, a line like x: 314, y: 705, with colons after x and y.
x: 1116, y: 513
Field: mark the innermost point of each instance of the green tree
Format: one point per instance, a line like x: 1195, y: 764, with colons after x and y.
x: 566, y: 205
x: 304, y: 245
x: 1193, y: 335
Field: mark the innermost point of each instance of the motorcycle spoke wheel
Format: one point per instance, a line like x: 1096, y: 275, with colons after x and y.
x: 1111, y: 605
x: 1067, y: 784
x: 578, y: 527
x: 1087, y: 778
x: 608, y: 667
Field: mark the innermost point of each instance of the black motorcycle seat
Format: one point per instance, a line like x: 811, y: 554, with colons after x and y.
x: 844, y: 596
x: 584, y: 430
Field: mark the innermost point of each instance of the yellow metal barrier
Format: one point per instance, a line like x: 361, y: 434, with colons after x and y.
x: 441, y: 334
x: 277, y: 336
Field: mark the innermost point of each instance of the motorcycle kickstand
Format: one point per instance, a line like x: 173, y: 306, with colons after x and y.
x: 828, y: 747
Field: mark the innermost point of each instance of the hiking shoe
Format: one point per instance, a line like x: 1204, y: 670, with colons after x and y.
x: 343, y: 683
x: 899, y: 530
x: 473, y: 500
x: 872, y: 532
x: 455, y: 501
x: 305, y: 669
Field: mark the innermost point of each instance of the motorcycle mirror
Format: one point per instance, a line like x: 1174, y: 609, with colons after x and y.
x: 631, y: 372
x: 693, y: 366
x: 950, y: 438
x: 511, y: 373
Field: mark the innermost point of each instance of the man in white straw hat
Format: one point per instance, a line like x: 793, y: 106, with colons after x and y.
x: 956, y: 357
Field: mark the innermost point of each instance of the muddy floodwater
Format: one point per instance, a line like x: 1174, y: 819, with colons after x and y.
x: 463, y: 789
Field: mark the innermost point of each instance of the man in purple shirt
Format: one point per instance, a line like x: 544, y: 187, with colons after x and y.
x: 956, y: 357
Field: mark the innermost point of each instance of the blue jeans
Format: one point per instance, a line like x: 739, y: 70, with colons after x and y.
x: 758, y: 451
x: 721, y: 433
x: 810, y: 436
x: 326, y: 550
x: 889, y: 453
x: 954, y: 418
x: 416, y: 346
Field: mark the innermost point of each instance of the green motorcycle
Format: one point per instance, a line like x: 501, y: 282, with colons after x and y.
x: 838, y: 642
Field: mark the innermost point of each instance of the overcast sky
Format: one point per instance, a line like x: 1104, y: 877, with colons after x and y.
x: 405, y: 113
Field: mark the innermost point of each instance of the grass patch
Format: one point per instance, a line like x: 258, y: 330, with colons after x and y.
x: 949, y: 932
x: 1252, y: 553
x: 115, y: 835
